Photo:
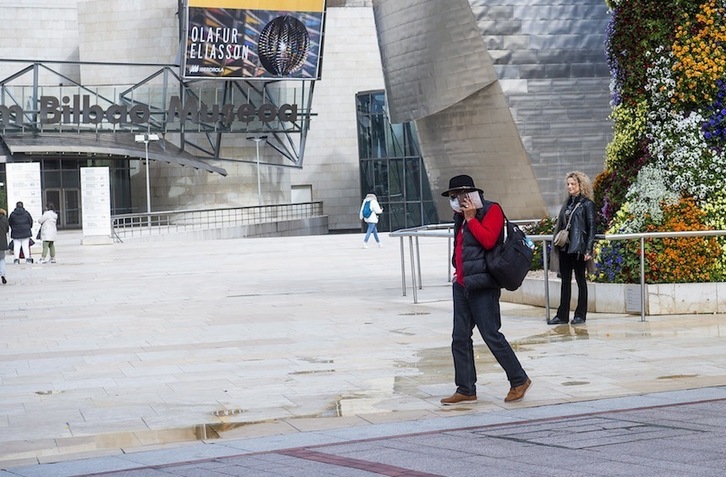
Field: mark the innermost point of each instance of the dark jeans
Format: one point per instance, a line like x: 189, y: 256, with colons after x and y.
x: 570, y: 262
x: 480, y: 308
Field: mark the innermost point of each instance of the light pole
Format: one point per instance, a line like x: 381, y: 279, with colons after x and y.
x: 259, y: 188
x: 145, y: 138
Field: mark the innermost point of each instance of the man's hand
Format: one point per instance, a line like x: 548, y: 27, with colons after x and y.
x: 467, y: 208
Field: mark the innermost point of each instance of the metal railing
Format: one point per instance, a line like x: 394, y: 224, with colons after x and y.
x: 174, y: 221
x: 446, y: 231
x: 433, y: 230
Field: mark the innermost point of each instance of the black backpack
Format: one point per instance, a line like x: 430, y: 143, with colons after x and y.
x: 509, y: 261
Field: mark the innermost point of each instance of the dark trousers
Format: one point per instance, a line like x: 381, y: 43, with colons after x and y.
x: 570, y: 262
x: 480, y: 308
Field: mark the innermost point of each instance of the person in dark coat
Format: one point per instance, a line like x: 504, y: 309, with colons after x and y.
x: 21, y: 230
x: 478, y: 227
x: 4, y: 228
x: 576, y: 255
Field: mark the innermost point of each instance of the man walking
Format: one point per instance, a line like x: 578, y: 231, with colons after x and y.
x: 478, y: 226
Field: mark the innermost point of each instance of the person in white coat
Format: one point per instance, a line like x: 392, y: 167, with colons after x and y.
x: 48, y: 232
x: 370, y: 209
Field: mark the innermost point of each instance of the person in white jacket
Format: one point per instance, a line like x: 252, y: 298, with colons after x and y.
x: 370, y: 209
x: 48, y: 231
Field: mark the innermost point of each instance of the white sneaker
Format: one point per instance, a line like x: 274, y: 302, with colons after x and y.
x: 365, y: 245
x: 52, y: 260
x: 380, y: 245
x: 42, y: 260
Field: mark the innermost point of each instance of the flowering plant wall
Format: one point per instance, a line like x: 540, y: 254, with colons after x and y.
x: 665, y: 168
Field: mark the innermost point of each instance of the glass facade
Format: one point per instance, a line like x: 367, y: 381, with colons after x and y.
x: 391, y: 166
x: 61, y: 184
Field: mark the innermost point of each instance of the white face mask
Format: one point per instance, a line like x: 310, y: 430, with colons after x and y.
x: 454, y: 203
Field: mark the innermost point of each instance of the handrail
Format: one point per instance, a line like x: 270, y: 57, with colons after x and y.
x: 445, y: 230
x: 163, y: 222
x: 436, y: 231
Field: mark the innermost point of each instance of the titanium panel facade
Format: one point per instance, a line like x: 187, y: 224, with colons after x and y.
x: 544, y: 114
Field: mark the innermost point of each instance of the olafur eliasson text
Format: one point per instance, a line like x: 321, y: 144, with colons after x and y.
x: 215, y: 43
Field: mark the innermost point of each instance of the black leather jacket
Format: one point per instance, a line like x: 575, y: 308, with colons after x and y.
x: 582, y: 227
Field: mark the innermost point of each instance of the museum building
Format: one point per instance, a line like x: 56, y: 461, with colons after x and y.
x: 131, y: 85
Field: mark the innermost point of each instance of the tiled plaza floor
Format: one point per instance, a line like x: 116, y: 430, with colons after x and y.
x: 121, y: 356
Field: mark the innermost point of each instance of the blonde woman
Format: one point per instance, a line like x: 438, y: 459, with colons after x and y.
x: 579, y: 211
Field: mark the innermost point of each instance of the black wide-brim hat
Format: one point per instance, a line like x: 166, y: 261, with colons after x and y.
x: 462, y: 183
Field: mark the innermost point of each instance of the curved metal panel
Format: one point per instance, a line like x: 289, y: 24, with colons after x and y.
x: 549, y: 90
x: 433, y: 55
x: 479, y: 138
x: 549, y: 56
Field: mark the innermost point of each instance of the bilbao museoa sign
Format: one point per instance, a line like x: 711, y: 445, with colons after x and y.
x: 79, y: 110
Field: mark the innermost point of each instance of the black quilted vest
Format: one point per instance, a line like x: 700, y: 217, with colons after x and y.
x: 473, y: 254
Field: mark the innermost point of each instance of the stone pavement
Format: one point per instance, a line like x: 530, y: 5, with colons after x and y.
x: 299, y: 356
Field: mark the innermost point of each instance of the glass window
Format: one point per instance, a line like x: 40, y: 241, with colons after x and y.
x: 72, y: 208
x: 71, y: 179
x: 391, y: 167
x: 51, y: 179
x: 364, y: 137
x: 425, y: 186
x: 378, y: 136
x: 363, y: 102
x: 411, y: 144
x: 121, y: 191
x: 413, y: 214
x: 69, y: 164
x: 397, y: 216
x: 413, y: 179
x: 378, y: 103
x: 396, y: 180
x: 366, y: 176
x: 380, y: 179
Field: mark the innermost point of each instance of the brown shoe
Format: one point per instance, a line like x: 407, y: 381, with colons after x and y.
x: 456, y: 398
x: 517, y: 393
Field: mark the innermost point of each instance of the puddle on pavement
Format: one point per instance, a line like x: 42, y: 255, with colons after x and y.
x: 121, y: 440
x: 434, y: 366
x: 228, y: 412
x: 314, y: 360
x: 312, y: 371
x: 678, y: 376
x: 557, y: 334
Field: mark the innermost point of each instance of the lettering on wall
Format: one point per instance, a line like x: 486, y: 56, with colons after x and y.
x: 79, y: 110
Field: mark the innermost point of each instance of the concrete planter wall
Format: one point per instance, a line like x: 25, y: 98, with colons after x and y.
x: 663, y: 299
